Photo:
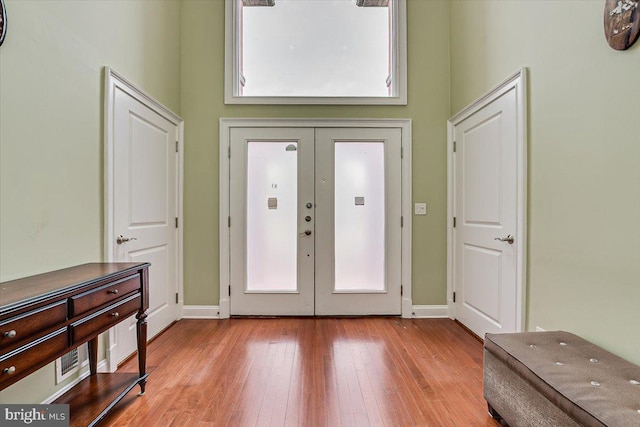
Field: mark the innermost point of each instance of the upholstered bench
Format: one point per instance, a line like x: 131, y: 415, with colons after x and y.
x: 558, y: 379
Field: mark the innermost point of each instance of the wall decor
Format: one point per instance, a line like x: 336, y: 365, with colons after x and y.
x: 3, y: 21
x: 621, y: 23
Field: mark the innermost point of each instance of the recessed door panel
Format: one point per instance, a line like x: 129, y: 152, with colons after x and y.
x: 481, y: 145
x: 150, y: 147
x: 482, y: 278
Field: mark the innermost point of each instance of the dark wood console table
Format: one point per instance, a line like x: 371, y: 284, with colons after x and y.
x: 45, y: 316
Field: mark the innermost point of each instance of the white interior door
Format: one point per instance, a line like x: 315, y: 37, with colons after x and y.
x: 486, y: 211
x: 315, y: 223
x: 358, y: 221
x: 145, y: 204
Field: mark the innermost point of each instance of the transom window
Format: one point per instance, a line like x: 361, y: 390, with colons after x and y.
x: 316, y: 52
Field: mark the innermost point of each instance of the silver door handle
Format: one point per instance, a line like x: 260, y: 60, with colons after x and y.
x: 509, y: 239
x: 121, y: 239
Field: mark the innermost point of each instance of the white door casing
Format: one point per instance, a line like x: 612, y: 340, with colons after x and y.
x: 143, y: 192
x: 227, y: 125
x: 487, y: 208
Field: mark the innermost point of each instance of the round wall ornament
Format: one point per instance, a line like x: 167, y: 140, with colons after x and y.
x: 3, y: 21
x: 621, y: 23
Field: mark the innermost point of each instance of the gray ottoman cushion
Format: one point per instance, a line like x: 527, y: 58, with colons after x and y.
x: 590, y: 384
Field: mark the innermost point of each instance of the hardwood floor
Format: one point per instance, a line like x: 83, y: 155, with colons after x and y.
x: 310, y: 372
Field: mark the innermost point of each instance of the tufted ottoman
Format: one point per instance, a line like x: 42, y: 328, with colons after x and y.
x: 558, y: 379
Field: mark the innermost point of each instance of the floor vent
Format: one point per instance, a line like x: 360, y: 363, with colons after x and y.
x: 70, y: 363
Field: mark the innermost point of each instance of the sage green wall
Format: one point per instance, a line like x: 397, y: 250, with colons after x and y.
x: 584, y: 149
x: 202, y: 105
x: 51, y: 109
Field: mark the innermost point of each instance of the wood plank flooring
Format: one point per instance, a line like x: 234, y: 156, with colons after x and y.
x: 378, y: 371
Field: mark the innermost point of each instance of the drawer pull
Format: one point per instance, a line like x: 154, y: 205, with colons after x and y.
x: 9, y: 371
x: 112, y: 291
x: 116, y: 314
x: 10, y: 334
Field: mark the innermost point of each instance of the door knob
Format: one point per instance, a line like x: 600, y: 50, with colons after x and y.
x: 509, y: 239
x: 121, y: 239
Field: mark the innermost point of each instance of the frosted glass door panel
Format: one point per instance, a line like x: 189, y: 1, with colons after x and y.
x: 359, y: 216
x: 272, y: 177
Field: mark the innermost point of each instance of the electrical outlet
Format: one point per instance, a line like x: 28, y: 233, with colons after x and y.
x: 420, y: 209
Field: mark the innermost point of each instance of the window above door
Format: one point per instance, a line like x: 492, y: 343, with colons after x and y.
x: 315, y: 52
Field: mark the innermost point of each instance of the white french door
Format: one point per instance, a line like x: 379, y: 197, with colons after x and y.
x: 271, y: 221
x: 315, y: 221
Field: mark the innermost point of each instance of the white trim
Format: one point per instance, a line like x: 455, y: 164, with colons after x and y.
x: 225, y: 128
x: 113, y: 80
x: 399, y: 72
x: 430, y: 311
x: 201, y: 312
x: 517, y: 81
x: 102, y: 365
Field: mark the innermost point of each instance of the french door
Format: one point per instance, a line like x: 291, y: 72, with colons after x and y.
x: 315, y: 221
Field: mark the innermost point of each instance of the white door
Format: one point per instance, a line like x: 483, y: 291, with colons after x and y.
x: 486, y: 210
x: 271, y: 221
x: 315, y: 223
x: 145, y: 201
x: 358, y: 221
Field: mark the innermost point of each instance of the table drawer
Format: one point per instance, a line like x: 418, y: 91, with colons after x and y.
x: 104, y: 319
x: 18, y: 328
x: 103, y: 295
x: 24, y: 360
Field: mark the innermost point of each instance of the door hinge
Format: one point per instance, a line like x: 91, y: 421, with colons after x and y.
x: 401, y: 221
x: 176, y: 297
x: 229, y: 290
x: 401, y: 290
x: 454, y: 222
x: 229, y: 221
x: 402, y: 152
x: 454, y: 297
x: 229, y: 152
x: 176, y: 222
x: 454, y: 146
x: 176, y: 146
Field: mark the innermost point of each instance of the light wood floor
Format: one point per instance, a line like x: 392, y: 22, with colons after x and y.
x: 310, y: 372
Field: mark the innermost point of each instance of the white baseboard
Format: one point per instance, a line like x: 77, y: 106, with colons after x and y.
x: 201, y: 312
x: 102, y: 365
x: 430, y: 311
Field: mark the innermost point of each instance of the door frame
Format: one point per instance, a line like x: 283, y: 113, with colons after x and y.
x: 113, y: 81
x: 518, y: 82
x: 226, y: 124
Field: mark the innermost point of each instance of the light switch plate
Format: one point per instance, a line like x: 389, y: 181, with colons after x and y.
x: 420, y: 209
